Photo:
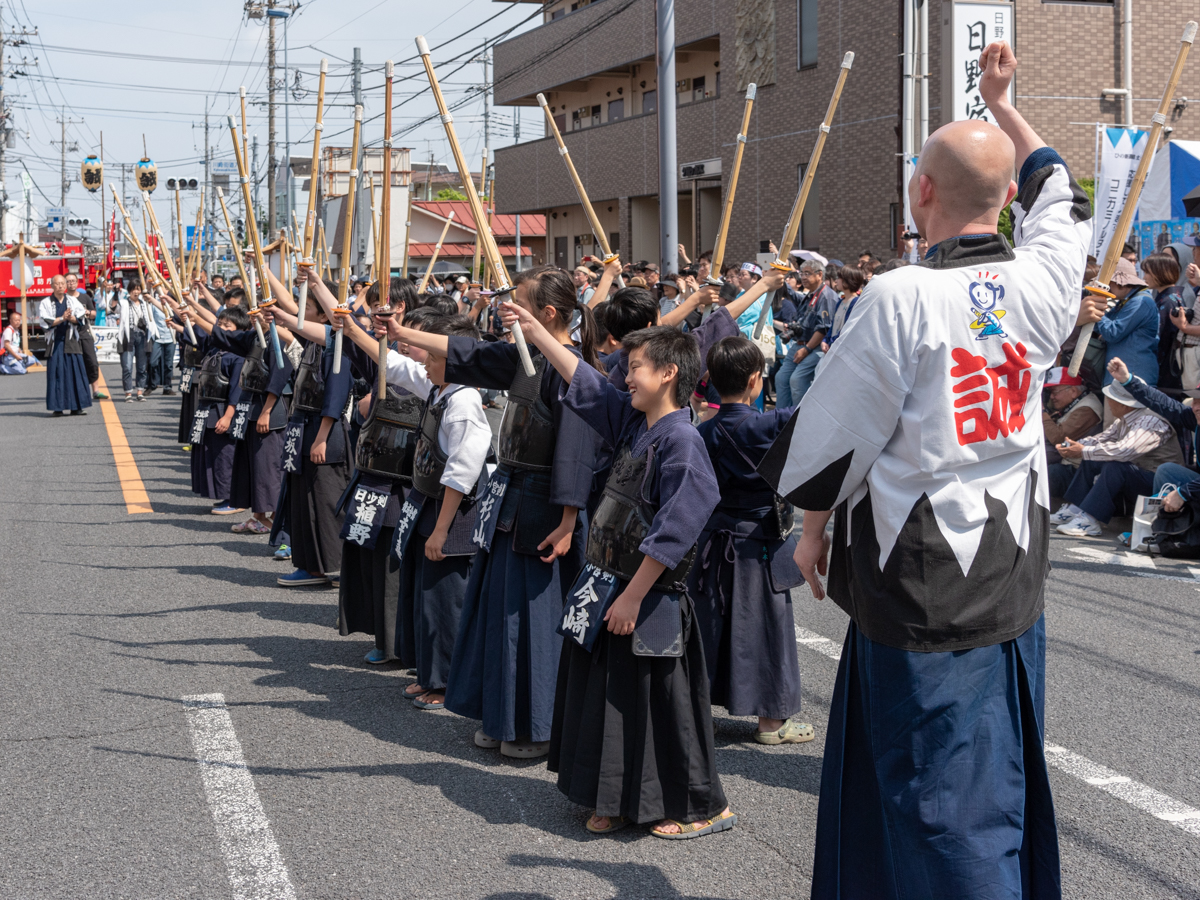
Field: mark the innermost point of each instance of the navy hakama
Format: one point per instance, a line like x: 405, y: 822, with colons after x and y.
x: 633, y: 734
x: 744, y: 572
x: 505, y: 663
x: 67, y: 387
x: 213, y: 455
x: 984, y: 827
x: 257, y: 471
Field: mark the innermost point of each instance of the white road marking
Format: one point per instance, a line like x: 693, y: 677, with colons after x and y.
x: 1128, y: 558
x: 256, y: 867
x: 1139, y: 796
x: 822, y: 645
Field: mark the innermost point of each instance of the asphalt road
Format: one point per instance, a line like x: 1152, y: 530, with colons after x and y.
x: 115, y: 618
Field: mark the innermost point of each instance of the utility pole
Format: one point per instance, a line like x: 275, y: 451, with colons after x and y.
x: 254, y: 179
x: 208, y: 186
x: 668, y: 170
x: 14, y: 39
x: 270, y: 119
x: 487, y: 97
x: 64, y: 122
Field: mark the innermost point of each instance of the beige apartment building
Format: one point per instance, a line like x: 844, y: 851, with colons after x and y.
x: 595, y: 63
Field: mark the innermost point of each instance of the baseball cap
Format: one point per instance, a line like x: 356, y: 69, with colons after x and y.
x: 1059, y: 375
x: 1126, y: 275
x: 1192, y: 240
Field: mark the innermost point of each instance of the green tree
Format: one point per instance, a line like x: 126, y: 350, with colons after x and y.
x: 446, y: 194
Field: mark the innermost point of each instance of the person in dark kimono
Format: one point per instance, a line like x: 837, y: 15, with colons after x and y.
x: 528, y: 525
x: 922, y: 433
x: 433, y: 542
x: 258, y: 422
x: 744, y: 572
x: 371, y: 597
x: 219, y: 385
x: 316, y: 451
x: 632, y: 733
x: 67, y: 385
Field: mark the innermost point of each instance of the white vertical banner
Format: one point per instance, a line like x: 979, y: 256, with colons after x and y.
x: 1120, y: 152
x: 974, y: 26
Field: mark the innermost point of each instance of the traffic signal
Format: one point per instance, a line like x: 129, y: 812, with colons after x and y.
x: 184, y: 184
x: 239, y: 225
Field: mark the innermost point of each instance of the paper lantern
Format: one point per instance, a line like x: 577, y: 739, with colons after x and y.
x: 91, y: 173
x: 147, y: 175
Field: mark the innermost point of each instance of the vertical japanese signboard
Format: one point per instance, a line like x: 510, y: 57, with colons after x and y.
x: 967, y: 29
x: 1121, y: 152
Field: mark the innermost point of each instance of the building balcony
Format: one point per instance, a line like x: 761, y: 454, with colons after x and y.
x: 614, y: 159
x: 603, y: 36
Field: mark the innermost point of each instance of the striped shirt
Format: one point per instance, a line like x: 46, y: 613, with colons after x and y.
x: 1128, y: 438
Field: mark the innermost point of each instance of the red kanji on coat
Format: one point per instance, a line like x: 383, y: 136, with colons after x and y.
x: 1005, y: 385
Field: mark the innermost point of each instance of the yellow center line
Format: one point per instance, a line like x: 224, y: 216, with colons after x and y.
x: 136, y: 498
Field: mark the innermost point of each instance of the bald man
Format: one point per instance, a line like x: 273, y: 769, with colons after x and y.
x: 922, y: 430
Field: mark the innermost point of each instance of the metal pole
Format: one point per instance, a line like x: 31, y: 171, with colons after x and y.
x: 1127, y: 52
x: 924, y: 74
x: 206, y: 224
x: 3, y: 141
x: 517, y: 264
x: 270, y: 119
x: 287, y: 127
x: 668, y: 200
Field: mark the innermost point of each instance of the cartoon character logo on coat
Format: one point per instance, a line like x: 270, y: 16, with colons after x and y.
x: 985, y: 300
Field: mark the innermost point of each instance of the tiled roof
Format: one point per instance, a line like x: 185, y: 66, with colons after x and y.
x: 420, y: 250
x: 502, y: 226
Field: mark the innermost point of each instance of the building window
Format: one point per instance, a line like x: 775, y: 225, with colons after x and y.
x: 806, y: 37
x: 557, y: 14
x: 596, y: 114
x: 616, y: 110
x: 614, y: 241
x: 810, y: 219
x: 894, y: 215
x: 561, y: 121
x: 650, y: 102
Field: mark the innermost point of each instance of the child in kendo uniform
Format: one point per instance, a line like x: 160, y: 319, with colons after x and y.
x: 433, y: 537
x: 219, y: 392
x: 633, y: 735
x: 529, y: 524
x: 744, y: 573
x: 371, y: 599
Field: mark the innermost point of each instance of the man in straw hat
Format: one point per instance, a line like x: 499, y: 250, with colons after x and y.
x: 921, y: 429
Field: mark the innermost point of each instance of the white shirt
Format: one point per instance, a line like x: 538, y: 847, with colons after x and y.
x: 464, y: 436
x: 12, y: 336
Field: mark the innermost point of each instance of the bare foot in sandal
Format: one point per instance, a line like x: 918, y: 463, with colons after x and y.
x: 413, y: 691
x: 669, y: 828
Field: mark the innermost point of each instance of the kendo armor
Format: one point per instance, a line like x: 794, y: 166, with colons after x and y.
x: 388, y: 440
x: 429, y: 463
x: 308, y: 394
x: 622, y: 521
x: 255, y: 374
x: 526, y: 439
x: 193, y: 356
x: 214, y: 386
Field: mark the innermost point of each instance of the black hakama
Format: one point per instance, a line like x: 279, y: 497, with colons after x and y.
x: 633, y: 734
x: 187, y: 410
x: 257, y: 471
x: 67, y: 387
x: 983, y: 825
x: 506, y: 654
x: 212, y: 464
x: 369, y: 595
x: 315, y: 528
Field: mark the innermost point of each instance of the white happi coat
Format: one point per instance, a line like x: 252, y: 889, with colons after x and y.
x: 925, y: 421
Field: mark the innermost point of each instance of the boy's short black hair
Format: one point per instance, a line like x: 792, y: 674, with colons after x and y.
x: 236, y: 315
x: 443, y: 303
x: 600, y: 313
x: 235, y: 294
x: 666, y: 346
x: 630, y: 309
x: 732, y: 362
x: 451, y: 326
x: 422, y: 317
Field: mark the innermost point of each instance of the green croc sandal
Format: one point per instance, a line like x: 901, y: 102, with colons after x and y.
x: 792, y: 732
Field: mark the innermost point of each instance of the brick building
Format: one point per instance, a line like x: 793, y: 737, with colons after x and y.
x: 595, y: 63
